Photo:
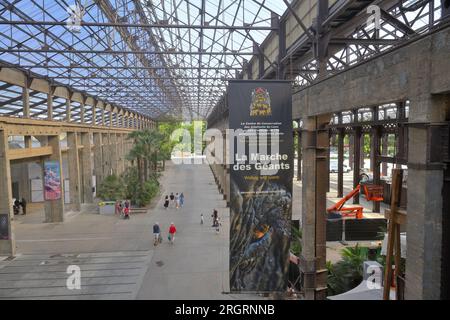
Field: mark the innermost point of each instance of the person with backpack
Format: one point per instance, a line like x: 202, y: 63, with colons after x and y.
x: 172, y: 231
x: 156, y: 234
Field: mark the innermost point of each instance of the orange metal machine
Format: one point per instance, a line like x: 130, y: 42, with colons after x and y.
x: 371, y: 192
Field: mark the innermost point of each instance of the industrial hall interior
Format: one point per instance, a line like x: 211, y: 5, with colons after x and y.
x: 225, y: 150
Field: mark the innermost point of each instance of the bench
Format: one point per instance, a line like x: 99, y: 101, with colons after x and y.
x: 138, y: 210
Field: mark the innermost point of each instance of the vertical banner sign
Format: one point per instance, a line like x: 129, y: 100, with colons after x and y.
x: 52, y: 180
x: 261, y: 173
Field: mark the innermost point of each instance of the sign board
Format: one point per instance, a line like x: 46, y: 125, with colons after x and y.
x: 261, y: 173
x: 52, y: 180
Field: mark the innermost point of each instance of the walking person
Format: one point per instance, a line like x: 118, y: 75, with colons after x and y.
x: 172, y: 197
x: 218, y: 225
x: 166, y: 202
x: 121, y: 209
x: 215, y: 216
x: 177, y: 201
x: 156, y: 234
x: 117, y: 208
x: 23, y: 203
x: 172, y: 231
x: 16, y: 207
x: 181, y: 200
x: 202, y: 220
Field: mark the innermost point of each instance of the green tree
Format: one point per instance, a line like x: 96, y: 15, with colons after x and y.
x: 145, y: 150
x: 139, y: 195
x: 111, y: 189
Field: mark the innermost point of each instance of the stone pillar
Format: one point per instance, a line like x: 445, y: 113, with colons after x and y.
x: 74, y: 171
x: 226, y: 157
x: 7, y: 242
x: 351, y: 151
x: 54, y: 209
x: 114, y: 155
x: 384, y: 152
x: 315, y: 152
x: 106, y: 155
x: 123, y: 153
x: 24, y: 183
x: 98, y: 159
x: 299, y: 155
x: 356, y: 160
x: 425, y: 200
x: 223, y: 170
x: 86, y: 157
x: 374, y: 163
x: 362, y: 155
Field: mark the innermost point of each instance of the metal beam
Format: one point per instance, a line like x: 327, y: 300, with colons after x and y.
x: 118, y: 52
x: 138, y: 25
x: 397, y: 23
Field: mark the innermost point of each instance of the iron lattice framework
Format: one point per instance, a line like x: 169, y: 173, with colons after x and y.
x: 356, y: 40
x: 165, y: 58
x: 172, y: 58
x: 341, y: 36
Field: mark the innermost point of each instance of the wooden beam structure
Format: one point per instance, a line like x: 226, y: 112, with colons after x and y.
x: 27, y: 153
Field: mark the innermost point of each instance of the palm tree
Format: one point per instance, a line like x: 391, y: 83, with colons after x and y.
x: 145, y: 151
x: 137, y: 154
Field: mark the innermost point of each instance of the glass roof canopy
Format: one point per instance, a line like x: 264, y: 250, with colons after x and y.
x: 163, y: 58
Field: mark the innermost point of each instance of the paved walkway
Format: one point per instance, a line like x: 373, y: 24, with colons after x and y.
x: 117, y: 257
x: 196, y: 266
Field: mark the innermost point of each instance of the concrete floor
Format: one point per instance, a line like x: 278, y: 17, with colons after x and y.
x: 117, y: 257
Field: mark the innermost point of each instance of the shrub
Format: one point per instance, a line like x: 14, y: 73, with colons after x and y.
x: 111, y: 189
x: 348, y: 273
x: 139, y: 196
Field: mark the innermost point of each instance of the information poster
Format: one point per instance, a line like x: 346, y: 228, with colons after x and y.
x: 261, y: 173
x: 52, y: 180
